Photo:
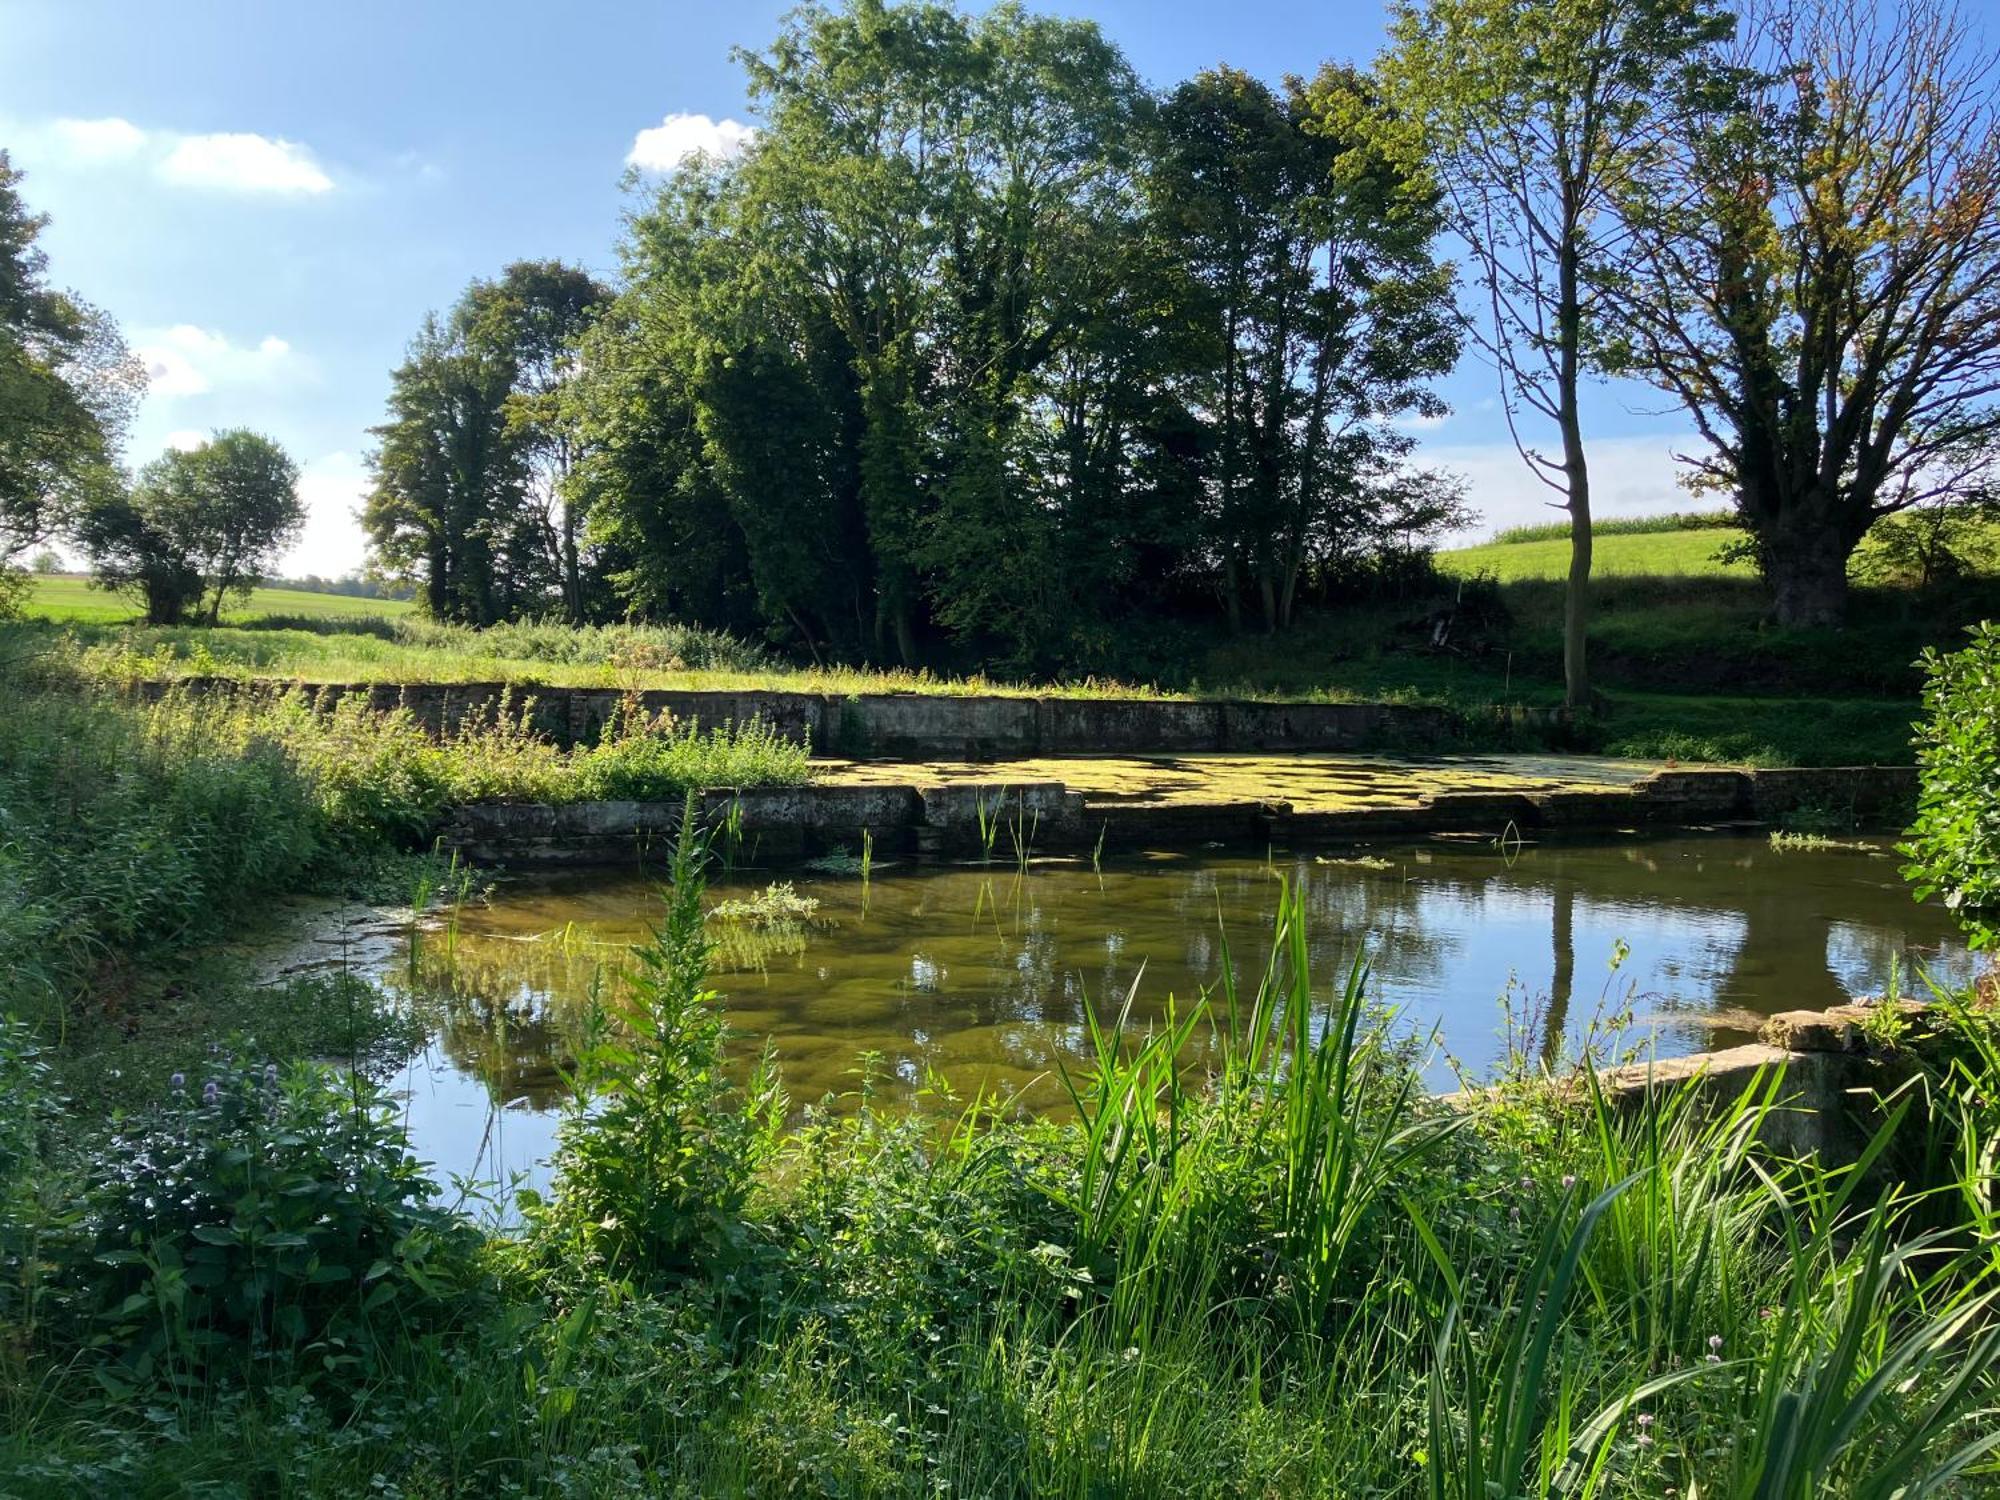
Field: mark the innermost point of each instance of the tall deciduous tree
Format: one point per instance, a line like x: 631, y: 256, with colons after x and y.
x: 1308, y: 250
x: 1815, y: 274
x: 536, y: 313
x: 197, y: 526
x: 935, y: 188
x: 1532, y: 113
x: 446, y: 500
x: 67, y: 388
x: 473, y: 479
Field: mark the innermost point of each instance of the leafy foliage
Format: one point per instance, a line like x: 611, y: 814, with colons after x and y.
x: 963, y: 371
x: 1954, y: 846
x: 260, y: 1215
x: 67, y: 388
x: 654, y: 1165
x: 199, y: 525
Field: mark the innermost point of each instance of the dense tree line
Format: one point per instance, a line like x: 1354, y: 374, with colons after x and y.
x: 473, y: 489
x: 981, y: 346
x: 981, y: 351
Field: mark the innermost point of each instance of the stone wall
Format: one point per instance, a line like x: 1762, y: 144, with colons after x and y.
x: 921, y: 725
x: 1829, y: 1077
x: 1048, y: 818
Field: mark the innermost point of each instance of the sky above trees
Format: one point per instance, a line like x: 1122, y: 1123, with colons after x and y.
x: 269, y: 199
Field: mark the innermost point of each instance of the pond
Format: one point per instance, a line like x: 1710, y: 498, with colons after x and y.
x: 977, y: 975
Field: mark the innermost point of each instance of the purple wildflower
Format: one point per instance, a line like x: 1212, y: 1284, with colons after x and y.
x: 177, y: 1082
x: 209, y: 1092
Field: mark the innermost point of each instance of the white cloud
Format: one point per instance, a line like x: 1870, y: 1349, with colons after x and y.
x: 242, y: 162
x: 332, y: 487
x: 185, y: 360
x: 1629, y: 476
x: 186, y: 439
x: 678, y: 137
x: 227, y: 161
x: 109, y: 139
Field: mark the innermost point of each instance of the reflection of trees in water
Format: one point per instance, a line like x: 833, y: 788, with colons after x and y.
x: 1386, y: 916
x: 507, y: 1010
x: 997, y: 963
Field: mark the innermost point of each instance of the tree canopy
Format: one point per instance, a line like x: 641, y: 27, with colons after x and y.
x: 196, y: 526
x: 957, y: 359
x: 1814, y: 272
x: 67, y: 388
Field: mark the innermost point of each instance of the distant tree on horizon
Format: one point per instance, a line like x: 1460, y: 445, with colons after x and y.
x: 196, y: 526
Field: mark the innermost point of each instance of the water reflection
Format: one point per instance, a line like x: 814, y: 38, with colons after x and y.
x: 981, y: 973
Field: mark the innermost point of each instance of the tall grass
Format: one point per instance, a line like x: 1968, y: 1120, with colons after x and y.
x: 1558, y: 531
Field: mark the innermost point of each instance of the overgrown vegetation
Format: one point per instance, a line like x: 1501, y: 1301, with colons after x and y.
x: 132, y: 829
x: 1954, y: 848
x: 1289, y: 1271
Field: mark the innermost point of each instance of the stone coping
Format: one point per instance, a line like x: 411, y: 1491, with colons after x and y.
x: 1829, y: 1075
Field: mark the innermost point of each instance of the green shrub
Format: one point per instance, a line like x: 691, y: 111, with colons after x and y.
x: 635, y: 647
x: 1954, y: 846
x: 655, y: 1160
x: 264, y: 1213
x: 128, y: 828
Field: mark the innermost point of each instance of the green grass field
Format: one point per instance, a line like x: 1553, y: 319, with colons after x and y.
x: 70, y: 596
x: 1680, y: 554
x: 1682, y: 648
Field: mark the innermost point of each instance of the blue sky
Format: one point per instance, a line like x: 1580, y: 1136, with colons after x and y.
x: 268, y: 197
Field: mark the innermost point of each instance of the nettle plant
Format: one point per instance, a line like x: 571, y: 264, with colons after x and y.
x: 264, y: 1214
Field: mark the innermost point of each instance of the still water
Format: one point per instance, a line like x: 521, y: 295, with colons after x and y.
x: 979, y: 974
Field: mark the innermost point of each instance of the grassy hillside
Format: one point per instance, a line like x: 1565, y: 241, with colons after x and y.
x: 1616, y: 554
x: 70, y: 596
x: 1683, y: 650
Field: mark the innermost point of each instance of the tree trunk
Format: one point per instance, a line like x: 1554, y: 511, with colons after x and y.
x: 1576, y: 476
x: 1806, y: 568
x: 571, y: 565
x: 163, y: 603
